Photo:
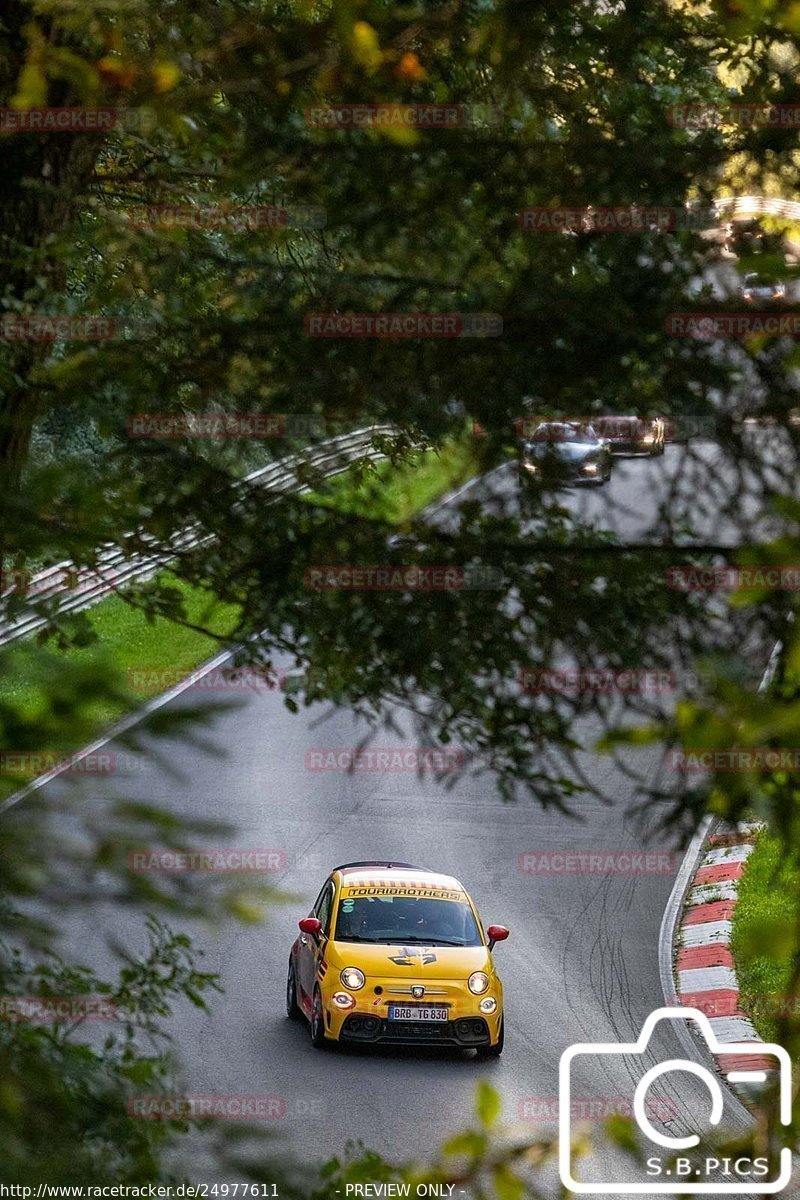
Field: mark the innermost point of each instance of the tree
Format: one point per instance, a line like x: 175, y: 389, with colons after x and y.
x: 544, y: 111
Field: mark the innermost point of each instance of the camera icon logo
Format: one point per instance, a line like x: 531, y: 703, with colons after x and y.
x: 709, y: 1176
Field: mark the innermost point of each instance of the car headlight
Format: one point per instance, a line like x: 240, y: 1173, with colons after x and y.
x: 488, y: 1004
x: 530, y: 467
x: 590, y: 468
x: 352, y: 978
x: 478, y: 982
x: 648, y: 439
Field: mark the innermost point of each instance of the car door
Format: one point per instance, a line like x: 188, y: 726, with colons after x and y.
x: 312, y: 948
x: 323, y: 914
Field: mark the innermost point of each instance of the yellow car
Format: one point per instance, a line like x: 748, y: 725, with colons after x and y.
x: 395, y: 954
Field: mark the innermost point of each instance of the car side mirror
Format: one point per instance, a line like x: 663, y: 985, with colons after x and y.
x: 310, y: 925
x: 496, y: 933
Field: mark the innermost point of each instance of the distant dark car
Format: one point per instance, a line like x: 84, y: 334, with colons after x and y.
x: 761, y: 291
x: 564, y: 452
x: 744, y: 235
x: 632, y: 435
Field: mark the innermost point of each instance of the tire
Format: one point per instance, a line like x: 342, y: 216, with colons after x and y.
x: 292, y: 1007
x: 497, y: 1049
x: 317, y: 1024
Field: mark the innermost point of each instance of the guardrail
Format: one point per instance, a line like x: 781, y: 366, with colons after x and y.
x: 75, y: 588
x: 754, y: 206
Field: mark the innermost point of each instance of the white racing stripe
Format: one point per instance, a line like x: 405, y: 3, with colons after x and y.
x: 707, y: 979
x: 734, y: 1029
x: 707, y: 934
x: 711, y: 893
x: 727, y: 854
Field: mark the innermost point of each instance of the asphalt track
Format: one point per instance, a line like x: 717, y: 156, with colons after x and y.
x: 582, y: 960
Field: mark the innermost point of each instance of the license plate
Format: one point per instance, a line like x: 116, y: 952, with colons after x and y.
x: 399, y: 1012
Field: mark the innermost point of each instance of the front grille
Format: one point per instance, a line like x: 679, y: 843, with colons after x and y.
x: 464, y: 1031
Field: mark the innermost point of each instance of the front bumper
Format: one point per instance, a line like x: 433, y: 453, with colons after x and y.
x: 560, y: 475
x: 466, y: 1032
x: 368, y: 1021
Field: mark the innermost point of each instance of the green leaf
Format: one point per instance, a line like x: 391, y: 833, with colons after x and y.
x: 507, y: 1184
x: 488, y: 1104
x: 470, y: 1143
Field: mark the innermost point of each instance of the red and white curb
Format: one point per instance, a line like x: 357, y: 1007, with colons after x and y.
x: 704, y: 970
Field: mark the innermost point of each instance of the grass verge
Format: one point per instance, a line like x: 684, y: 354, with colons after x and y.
x: 395, y: 494
x: 145, y: 656
x: 765, y: 922
x: 151, y: 655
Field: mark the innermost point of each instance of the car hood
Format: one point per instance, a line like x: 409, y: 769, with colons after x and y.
x: 566, y: 451
x: 407, y: 961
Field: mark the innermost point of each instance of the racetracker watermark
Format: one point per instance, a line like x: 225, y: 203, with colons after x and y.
x: 48, y: 328
x: 206, y: 1107
x: 709, y: 579
x: 150, y: 680
x: 384, y: 758
x: 748, y: 116
x: 47, y: 1009
x: 617, y: 218
x: 401, y: 116
x: 573, y: 681
x: 60, y: 120
x: 769, y: 1004
x: 547, y: 1109
x: 221, y: 425
x: 403, y: 578
x: 750, y: 758
x: 402, y: 325
x: 613, y: 427
x: 235, y: 218
x: 708, y: 326
x: 597, y: 862
x: 730, y: 1003
x: 26, y: 763
x: 225, y: 862
x: 72, y: 580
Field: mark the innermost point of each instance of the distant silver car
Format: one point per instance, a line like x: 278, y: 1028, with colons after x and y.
x: 761, y: 290
x: 562, y: 452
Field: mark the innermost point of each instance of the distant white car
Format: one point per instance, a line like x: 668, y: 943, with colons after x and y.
x: 758, y: 289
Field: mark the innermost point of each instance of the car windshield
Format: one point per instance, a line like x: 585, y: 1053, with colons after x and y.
x: 556, y: 432
x: 394, y: 920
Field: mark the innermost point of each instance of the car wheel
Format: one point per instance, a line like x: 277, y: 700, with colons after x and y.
x: 317, y: 1026
x: 292, y: 1007
x: 497, y: 1049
